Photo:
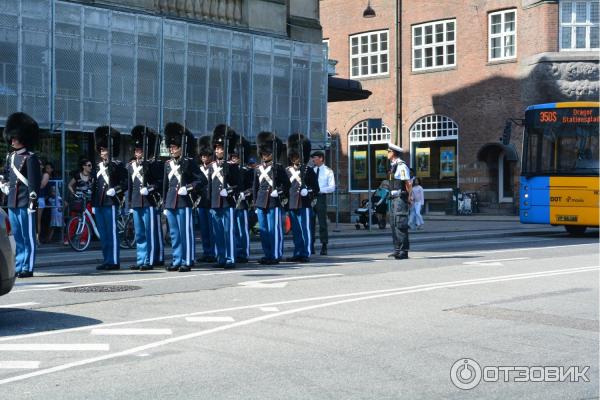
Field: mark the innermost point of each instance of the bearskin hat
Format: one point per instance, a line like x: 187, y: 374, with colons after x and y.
x: 101, y: 137
x: 204, y: 146
x: 23, y: 128
x: 266, y: 142
x: 174, y: 133
x: 223, y: 132
x: 298, y: 145
x: 138, y: 133
x: 243, y: 150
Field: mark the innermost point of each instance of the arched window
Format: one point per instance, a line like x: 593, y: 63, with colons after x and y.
x: 360, y: 140
x: 434, y: 151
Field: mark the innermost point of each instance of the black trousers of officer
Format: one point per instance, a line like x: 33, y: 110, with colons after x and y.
x: 320, y: 213
x: 399, y: 223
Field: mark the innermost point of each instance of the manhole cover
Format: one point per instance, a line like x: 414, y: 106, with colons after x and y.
x: 101, y: 288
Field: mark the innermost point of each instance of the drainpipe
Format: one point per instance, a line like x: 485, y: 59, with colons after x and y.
x: 399, y: 72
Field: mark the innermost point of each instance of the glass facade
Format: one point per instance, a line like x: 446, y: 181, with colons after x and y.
x: 77, y: 66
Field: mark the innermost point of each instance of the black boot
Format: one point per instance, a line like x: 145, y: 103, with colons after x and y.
x: 324, y: 249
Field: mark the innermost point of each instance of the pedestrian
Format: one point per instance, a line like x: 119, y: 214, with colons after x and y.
x: 57, y: 219
x: 144, y: 183
x: 303, y: 188
x: 111, y: 179
x: 400, y: 188
x: 270, y: 185
x: 80, y: 187
x: 205, y: 152
x: 22, y: 188
x: 223, y: 191
x: 47, y: 171
x: 417, y: 199
x: 326, y: 181
x: 242, y: 204
x: 182, y: 181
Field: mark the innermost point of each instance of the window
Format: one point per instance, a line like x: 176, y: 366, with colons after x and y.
x: 434, y: 45
x: 579, y: 25
x: 359, y: 140
x: 434, y: 151
x: 369, y: 54
x: 503, y: 35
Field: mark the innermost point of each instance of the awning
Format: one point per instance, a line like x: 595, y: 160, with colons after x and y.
x: 510, y: 151
x: 345, y: 90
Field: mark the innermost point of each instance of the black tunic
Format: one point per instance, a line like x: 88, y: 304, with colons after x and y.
x: 190, y: 177
x: 151, y: 175
x: 117, y: 179
x: 223, y: 176
x: 262, y: 188
x: 29, y: 166
x: 307, y: 180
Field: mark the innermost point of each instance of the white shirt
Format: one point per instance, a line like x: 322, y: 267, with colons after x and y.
x: 326, y: 179
x: 418, y: 194
x: 402, y: 171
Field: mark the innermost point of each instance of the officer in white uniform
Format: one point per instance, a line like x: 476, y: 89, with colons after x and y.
x: 400, y: 187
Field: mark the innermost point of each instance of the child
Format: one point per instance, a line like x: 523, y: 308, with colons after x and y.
x: 56, y: 216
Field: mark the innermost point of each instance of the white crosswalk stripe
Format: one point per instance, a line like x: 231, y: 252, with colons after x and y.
x: 19, y: 364
x: 131, y: 332
x: 210, y: 319
x: 54, y: 347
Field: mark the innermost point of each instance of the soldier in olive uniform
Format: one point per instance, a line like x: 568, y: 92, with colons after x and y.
x: 209, y: 249
x: 303, y: 187
x: 111, y: 179
x: 269, y: 188
x: 182, y: 180
x: 400, y: 187
x: 21, y: 185
x: 223, y: 192
x: 144, y: 185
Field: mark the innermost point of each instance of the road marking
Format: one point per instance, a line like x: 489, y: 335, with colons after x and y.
x: 54, y: 347
x: 38, y: 285
x: 210, y: 319
x: 381, y: 294
x: 496, y: 263
x: 19, y: 364
x: 253, y: 306
x: 59, y: 287
x: 282, y: 282
x: 131, y: 332
x: 19, y: 305
x: 473, y: 253
x: 269, y: 309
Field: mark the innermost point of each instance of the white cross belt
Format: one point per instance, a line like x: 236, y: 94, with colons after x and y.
x: 103, y: 172
x: 264, y: 175
x: 295, y: 176
x: 175, y: 171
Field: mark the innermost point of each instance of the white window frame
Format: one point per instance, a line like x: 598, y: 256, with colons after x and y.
x: 369, y: 54
x: 503, y: 35
x: 433, y: 45
x: 358, y: 136
x: 588, y: 24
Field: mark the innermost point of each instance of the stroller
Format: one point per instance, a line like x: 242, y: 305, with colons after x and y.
x: 377, y: 207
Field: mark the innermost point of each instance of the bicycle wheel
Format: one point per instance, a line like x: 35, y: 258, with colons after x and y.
x: 126, y: 231
x: 78, y: 234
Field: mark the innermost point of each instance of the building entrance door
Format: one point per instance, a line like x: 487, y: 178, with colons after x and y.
x: 505, y: 179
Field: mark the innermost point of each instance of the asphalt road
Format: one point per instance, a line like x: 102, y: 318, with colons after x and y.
x: 352, y: 325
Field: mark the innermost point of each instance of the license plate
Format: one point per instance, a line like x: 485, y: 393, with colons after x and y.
x: 566, y: 218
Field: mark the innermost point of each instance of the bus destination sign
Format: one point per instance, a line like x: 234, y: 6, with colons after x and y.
x: 568, y: 116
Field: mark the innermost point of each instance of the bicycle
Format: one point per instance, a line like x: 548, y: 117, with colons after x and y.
x: 81, y: 226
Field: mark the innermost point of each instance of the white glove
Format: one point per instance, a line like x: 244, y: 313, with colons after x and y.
x: 242, y: 196
x: 93, y: 210
x: 223, y: 193
x: 111, y: 192
x: 304, y: 192
x: 182, y: 191
x: 130, y: 211
x: 395, y: 192
x: 31, y: 210
x: 274, y: 193
x: 144, y: 191
x: 165, y: 212
x: 5, y: 189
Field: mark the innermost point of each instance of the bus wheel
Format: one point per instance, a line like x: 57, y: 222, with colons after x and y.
x: 575, y: 230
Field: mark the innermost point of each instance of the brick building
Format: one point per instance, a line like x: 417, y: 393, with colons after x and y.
x: 466, y: 67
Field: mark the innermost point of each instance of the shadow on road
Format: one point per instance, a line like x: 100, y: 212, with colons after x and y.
x: 14, y: 321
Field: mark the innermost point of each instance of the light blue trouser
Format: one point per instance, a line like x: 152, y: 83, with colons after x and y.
x: 223, y: 232
x: 301, y: 219
x: 208, y: 240
x: 242, y: 235
x: 106, y: 220
x: 23, y: 229
x: 181, y: 229
x: 148, y: 236
x: 271, y: 232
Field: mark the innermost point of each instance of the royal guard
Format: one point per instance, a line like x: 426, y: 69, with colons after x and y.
x: 223, y: 192
x: 144, y: 185
x: 111, y: 179
x: 182, y: 183
x: 303, y: 187
x: 242, y: 224
x: 21, y: 185
x: 269, y: 188
x: 205, y: 152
